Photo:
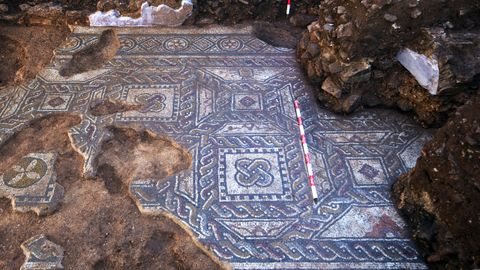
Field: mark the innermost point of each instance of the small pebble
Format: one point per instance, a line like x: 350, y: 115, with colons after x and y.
x: 415, y: 13
x: 389, y: 17
x: 3, y: 8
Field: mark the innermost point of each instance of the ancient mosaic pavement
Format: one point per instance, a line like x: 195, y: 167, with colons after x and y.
x: 228, y: 97
x: 31, y: 184
x: 41, y: 253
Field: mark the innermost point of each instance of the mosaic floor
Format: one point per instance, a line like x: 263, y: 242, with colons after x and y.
x: 228, y: 97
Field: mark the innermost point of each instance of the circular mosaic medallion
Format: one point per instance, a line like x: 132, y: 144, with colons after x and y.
x: 176, y: 44
x: 126, y: 44
x: 26, y: 173
x: 71, y: 44
x: 230, y: 44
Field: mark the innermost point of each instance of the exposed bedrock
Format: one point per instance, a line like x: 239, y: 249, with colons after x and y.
x: 420, y: 56
x: 440, y: 196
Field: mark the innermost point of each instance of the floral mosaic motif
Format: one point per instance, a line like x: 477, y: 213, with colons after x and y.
x: 176, y: 44
x: 230, y: 44
x: 31, y: 184
x: 26, y: 173
x: 42, y: 253
x: 126, y: 44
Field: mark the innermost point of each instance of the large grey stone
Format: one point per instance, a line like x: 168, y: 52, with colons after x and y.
x: 424, y: 69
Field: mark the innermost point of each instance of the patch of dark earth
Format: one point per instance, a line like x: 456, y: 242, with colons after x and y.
x: 97, y: 228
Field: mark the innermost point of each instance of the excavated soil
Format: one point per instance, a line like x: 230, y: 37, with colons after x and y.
x: 24, y: 51
x: 233, y: 12
x: 349, y: 54
x: 13, y: 60
x: 107, y: 106
x: 205, y: 12
x: 131, y: 155
x: 440, y: 196
x: 98, y: 229
x: 278, y: 34
x: 94, y: 56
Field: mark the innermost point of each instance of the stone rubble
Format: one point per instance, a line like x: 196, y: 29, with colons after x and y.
x: 352, y: 50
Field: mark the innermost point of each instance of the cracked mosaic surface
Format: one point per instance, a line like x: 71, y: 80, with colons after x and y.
x: 228, y: 97
x: 42, y: 253
x: 31, y: 184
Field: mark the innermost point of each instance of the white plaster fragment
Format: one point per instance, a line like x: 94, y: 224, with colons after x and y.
x: 150, y: 15
x: 424, y: 69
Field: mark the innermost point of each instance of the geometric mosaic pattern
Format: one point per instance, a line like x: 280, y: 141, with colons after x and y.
x: 228, y: 97
x: 42, y: 254
x: 31, y: 184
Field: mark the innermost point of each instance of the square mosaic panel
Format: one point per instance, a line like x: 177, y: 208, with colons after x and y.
x: 158, y: 103
x: 247, y: 102
x: 368, y: 171
x: 253, y: 174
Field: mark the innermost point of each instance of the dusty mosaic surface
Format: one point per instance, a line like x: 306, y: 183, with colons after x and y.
x: 42, y: 254
x: 31, y: 184
x: 228, y: 97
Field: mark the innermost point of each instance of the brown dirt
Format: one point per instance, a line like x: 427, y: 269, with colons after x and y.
x: 13, y: 60
x: 132, y: 154
x: 278, y: 34
x: 232, y: 12
x: 108, y: 106
x: 43, y: 134
x: 205, y: 12
x: 24, y: 51
x: 94, y: 56
x: 349, y: 54
x: 440, y: 196
x: 98, y: 229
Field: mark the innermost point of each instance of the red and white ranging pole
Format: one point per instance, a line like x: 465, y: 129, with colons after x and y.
x: 288, y: 7
x: 306, y: 153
